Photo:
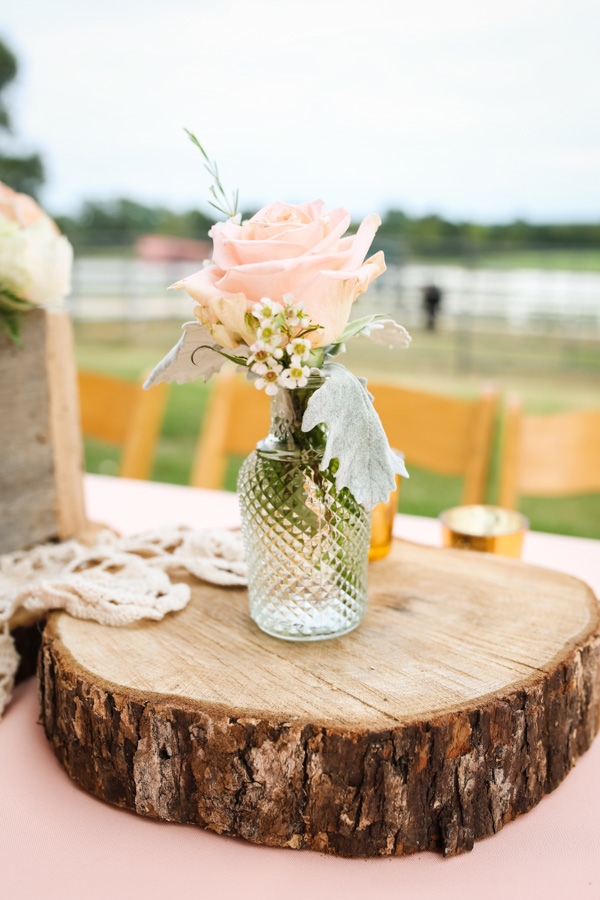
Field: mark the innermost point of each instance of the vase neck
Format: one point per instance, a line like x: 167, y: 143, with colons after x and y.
x: 287, y: 411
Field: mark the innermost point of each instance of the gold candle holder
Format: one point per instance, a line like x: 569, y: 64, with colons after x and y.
x: 382, y: 522
x: 489, y: 529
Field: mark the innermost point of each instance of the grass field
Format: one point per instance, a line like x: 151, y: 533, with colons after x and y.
x: 549, y: 374
x: 565, y: 260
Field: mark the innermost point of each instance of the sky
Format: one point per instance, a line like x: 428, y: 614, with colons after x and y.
x: 473, y: 110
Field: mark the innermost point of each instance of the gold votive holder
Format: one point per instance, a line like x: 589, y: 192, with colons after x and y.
x: 382, y: 522
x: 488, y: 529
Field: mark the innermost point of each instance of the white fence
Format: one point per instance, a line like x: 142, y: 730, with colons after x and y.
x: 529, y: 300
x: 522, y: 299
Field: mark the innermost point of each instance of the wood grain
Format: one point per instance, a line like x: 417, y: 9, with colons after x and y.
x: 65, y: 429
x: 467, y: 693
x: 41, y: 493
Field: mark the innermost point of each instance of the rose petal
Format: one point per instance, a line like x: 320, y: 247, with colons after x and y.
x: 330, y: 297
x: 232, y: 312
x: 278, y: 212
x: 339, y: 222
x: 201, y: 285
x: 218, y: 308
x: 368, y: 272
x: 363, y: 240
x: 328, y: 302
x: 228, y: 253
x: 232, y: 249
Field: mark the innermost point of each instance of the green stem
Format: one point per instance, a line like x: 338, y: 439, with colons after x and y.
x: 10, y: 324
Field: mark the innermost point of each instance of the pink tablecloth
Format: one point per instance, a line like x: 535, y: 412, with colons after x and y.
x: 59, y: 843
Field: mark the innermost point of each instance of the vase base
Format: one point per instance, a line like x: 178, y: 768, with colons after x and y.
x: 307, y: 636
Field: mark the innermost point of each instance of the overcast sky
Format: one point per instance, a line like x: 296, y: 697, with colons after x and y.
x: 476, y: 109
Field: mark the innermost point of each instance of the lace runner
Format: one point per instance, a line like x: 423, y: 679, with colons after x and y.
x: 115, y: 582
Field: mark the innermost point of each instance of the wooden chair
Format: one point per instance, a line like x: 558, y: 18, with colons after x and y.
x: 120, y: 412
x: 548, y: 455
x: 236, y: 418
x: 447, y: 435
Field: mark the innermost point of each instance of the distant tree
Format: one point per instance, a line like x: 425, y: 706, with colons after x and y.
x: 433, y: 235
x: 23, y: 173
x: 117, y: 223
x: 394, y: 222
x: 8, y: 71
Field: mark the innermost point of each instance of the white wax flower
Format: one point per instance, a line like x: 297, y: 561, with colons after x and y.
x: 266, y: 309
x: 294, y: 377
x: 269, y: 336
x: 299, y: 347
x: 268, y: 373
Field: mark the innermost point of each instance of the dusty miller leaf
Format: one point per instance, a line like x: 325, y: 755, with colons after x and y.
x: 380, y: 328
x: 355, y: 438
x: 358, y: 326
x: 388, y: 333
x: 194, y: 356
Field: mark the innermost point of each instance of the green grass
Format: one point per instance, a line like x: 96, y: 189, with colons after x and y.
x: 567, y: 260
x: 572, y: 260
x: 536, y: 369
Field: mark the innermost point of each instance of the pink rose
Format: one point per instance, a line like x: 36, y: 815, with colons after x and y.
x: 285, y: 249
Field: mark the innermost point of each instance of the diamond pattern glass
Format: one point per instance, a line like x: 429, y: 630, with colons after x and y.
x: 306, y: 542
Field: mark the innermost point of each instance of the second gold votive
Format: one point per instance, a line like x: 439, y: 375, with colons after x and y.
x: 489, y: 529
x: 382, y: 522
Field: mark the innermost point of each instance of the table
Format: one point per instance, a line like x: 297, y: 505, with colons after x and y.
x: 59, y: 842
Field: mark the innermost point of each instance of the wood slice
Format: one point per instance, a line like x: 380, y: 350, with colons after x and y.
x: 468, y: 692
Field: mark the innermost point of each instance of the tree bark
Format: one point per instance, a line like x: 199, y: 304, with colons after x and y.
x: 468, y: 693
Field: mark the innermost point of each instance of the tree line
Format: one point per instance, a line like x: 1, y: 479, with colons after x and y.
x: 24, y: 173
x: 435, y: 235
x: 117, y: 223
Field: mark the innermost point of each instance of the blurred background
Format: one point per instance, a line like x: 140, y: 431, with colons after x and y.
x: 472, y: 129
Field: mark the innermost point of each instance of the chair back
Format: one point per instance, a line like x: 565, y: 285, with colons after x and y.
x: 121, y: 413
x: 548, y: 455
x: 447, y: 435
x: 237, y: 417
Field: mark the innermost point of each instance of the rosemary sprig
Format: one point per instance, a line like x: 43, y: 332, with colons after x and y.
x: 222, y: 203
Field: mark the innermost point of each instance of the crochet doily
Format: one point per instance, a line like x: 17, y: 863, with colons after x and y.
x: 116, y: 581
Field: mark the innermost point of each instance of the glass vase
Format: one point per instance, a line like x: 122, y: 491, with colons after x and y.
x: 306, y: 542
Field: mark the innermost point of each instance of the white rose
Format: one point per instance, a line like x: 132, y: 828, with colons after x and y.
x: 46, y: 261
x: 35, y: 259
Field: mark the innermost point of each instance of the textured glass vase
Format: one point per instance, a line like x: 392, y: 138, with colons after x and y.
x: 306, y: 542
